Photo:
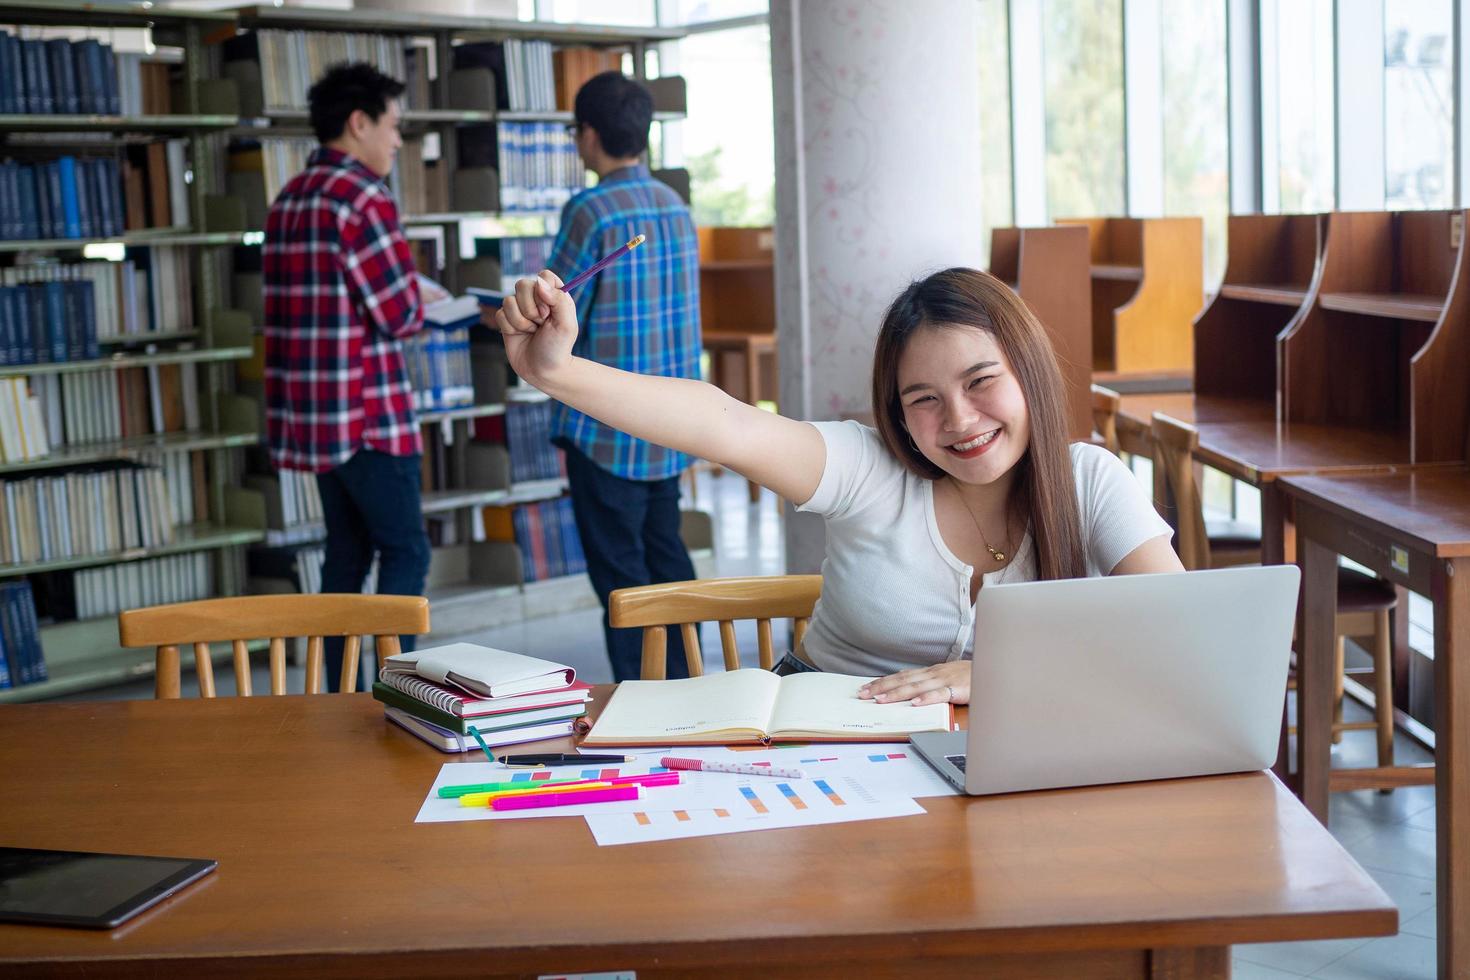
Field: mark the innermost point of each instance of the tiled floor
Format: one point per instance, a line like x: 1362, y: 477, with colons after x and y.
x: 1391, y: 835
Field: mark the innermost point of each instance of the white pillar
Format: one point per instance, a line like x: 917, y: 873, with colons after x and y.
x: 877, y: 182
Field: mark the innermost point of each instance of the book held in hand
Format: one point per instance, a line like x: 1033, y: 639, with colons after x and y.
x: 484, y: 671
x: 754, y: 706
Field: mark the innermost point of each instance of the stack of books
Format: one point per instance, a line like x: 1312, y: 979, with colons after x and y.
x: 437, y: 694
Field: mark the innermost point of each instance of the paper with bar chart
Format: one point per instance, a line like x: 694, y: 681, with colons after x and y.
x: 436, y: 810
x: 757, y: 803
x: 887, y: 769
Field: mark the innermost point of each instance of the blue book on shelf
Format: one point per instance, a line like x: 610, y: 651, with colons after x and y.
x: 30, y: 217
x: 16, y: 79
x: 4, y: 662
x: 33, y: 65
x: 31, y: 629
x: 89, y: 76
x: 8, y: 352
x: 15, y: 647
x: 7, y: 68
x: 40, y: 343
x: 113, y: 98
x: 55, y: 293
x: 20, y: 305
x: 76, y: 344
x: 63, y: 76
x: 70, y: 207
x: 8, y: 211
x: 88, y: 296
x: 49, y: 193
x: 9, y: 652
x: 111, y: 172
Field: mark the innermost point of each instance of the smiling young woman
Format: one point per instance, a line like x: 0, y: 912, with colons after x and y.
x: 968, y: 479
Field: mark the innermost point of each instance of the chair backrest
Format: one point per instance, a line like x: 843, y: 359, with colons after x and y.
x: 687, y: 604
x: 1174, y: 446
x: 275, y: 617
x: 1105, y: 402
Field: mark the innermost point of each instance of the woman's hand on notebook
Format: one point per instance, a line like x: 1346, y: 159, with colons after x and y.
x: 922, y: 685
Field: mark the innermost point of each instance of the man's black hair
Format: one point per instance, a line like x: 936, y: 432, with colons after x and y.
x: 344, y: 88
x: 619, y: 110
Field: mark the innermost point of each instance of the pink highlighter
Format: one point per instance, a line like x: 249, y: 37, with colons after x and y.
x: 534, y: 801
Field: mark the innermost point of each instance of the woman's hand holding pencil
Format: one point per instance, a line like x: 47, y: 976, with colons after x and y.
x: 539, y: 320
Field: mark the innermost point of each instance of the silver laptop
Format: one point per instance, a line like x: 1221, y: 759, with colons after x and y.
x: 1117, y: 679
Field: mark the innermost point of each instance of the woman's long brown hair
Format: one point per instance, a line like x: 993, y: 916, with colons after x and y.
x: 1044, y: 491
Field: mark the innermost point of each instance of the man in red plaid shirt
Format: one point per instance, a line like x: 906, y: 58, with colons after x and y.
x: 340, y: 295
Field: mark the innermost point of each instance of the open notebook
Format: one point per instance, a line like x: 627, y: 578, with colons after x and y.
x: 753, y: 705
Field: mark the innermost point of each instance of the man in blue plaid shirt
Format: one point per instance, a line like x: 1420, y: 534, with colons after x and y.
x: 640, y: 314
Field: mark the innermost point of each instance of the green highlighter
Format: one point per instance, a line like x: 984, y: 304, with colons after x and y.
x: 452, y: 792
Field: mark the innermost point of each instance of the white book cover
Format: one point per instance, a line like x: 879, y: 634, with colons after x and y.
x: 485, y: 671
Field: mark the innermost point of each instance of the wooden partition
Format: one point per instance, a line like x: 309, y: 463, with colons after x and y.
x: 1273, y: 261
x: 1147, y: 288
x: 1384, y: 344
x: 1049, y: 269
x: 737, y: 289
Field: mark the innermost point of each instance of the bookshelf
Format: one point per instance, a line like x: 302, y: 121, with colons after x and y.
x: 1147, y: 288
x: 1269, y: 273
x: 482, y: 576
x: 1385, y: 334
x: 1049, y: 269
x: 196, y: 462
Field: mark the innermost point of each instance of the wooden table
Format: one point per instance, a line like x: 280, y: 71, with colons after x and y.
x: 1136, y: 414
x: 1412, y: 528
x: 308, y: 804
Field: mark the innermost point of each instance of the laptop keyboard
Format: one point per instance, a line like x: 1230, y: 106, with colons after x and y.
x: 958, y: 761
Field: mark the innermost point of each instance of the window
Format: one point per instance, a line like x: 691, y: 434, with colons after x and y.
x: 1196, y: 126
x: 996, y: 209
x: 1083, y: 59
x: 634, y: 13
x: 1418, y: 106
x: 1304, y: 105
x: 728, y: 140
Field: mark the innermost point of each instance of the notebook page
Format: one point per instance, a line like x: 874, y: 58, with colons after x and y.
x: 675, y: 710
x: 827, y: 704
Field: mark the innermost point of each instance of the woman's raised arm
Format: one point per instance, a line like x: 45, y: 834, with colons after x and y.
x: 539, y: 323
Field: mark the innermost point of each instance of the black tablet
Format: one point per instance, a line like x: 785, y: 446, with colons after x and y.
x: 95, y: 891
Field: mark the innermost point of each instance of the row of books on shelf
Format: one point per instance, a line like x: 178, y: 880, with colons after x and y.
x: 519, y: 257
x: 108, y: 590
x: 528, y: 438
x: 292, y: 497
x: 547, y: 538
x: 52, y: 312
x: 45, y: 413
x: 538, y: 165
x: 440, y: 369
x: 439, y: 693
x: 44, y: 76
x: 283, y: 65
x: 141, y: 186
x: 21, y: 661
x: 84, y: 512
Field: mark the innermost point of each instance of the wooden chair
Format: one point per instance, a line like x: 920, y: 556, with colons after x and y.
x: 724, y: 600
x: 1105, y: 402
x: 1363, y: 602
x: 237, y: 620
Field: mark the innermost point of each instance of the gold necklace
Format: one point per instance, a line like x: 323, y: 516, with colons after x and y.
x: 999, y: 556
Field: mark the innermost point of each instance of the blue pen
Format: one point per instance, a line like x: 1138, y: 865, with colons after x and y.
x: 476, y: 732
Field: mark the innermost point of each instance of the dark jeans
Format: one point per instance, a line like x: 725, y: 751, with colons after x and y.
x: 630, y: 535
x: 371, y: 505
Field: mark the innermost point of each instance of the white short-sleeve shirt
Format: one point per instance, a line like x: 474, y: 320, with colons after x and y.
x: 893, y: 595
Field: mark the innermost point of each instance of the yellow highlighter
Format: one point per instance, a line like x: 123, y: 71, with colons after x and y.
x: 483, y: 799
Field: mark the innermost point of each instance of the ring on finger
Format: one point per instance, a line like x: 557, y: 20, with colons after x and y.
x: 948, y: 693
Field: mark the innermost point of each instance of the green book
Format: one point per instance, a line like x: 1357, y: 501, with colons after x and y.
x: 395, y: 698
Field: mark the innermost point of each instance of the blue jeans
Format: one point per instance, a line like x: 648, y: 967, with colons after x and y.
x: 371, y: 506
x: 630, y: 535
